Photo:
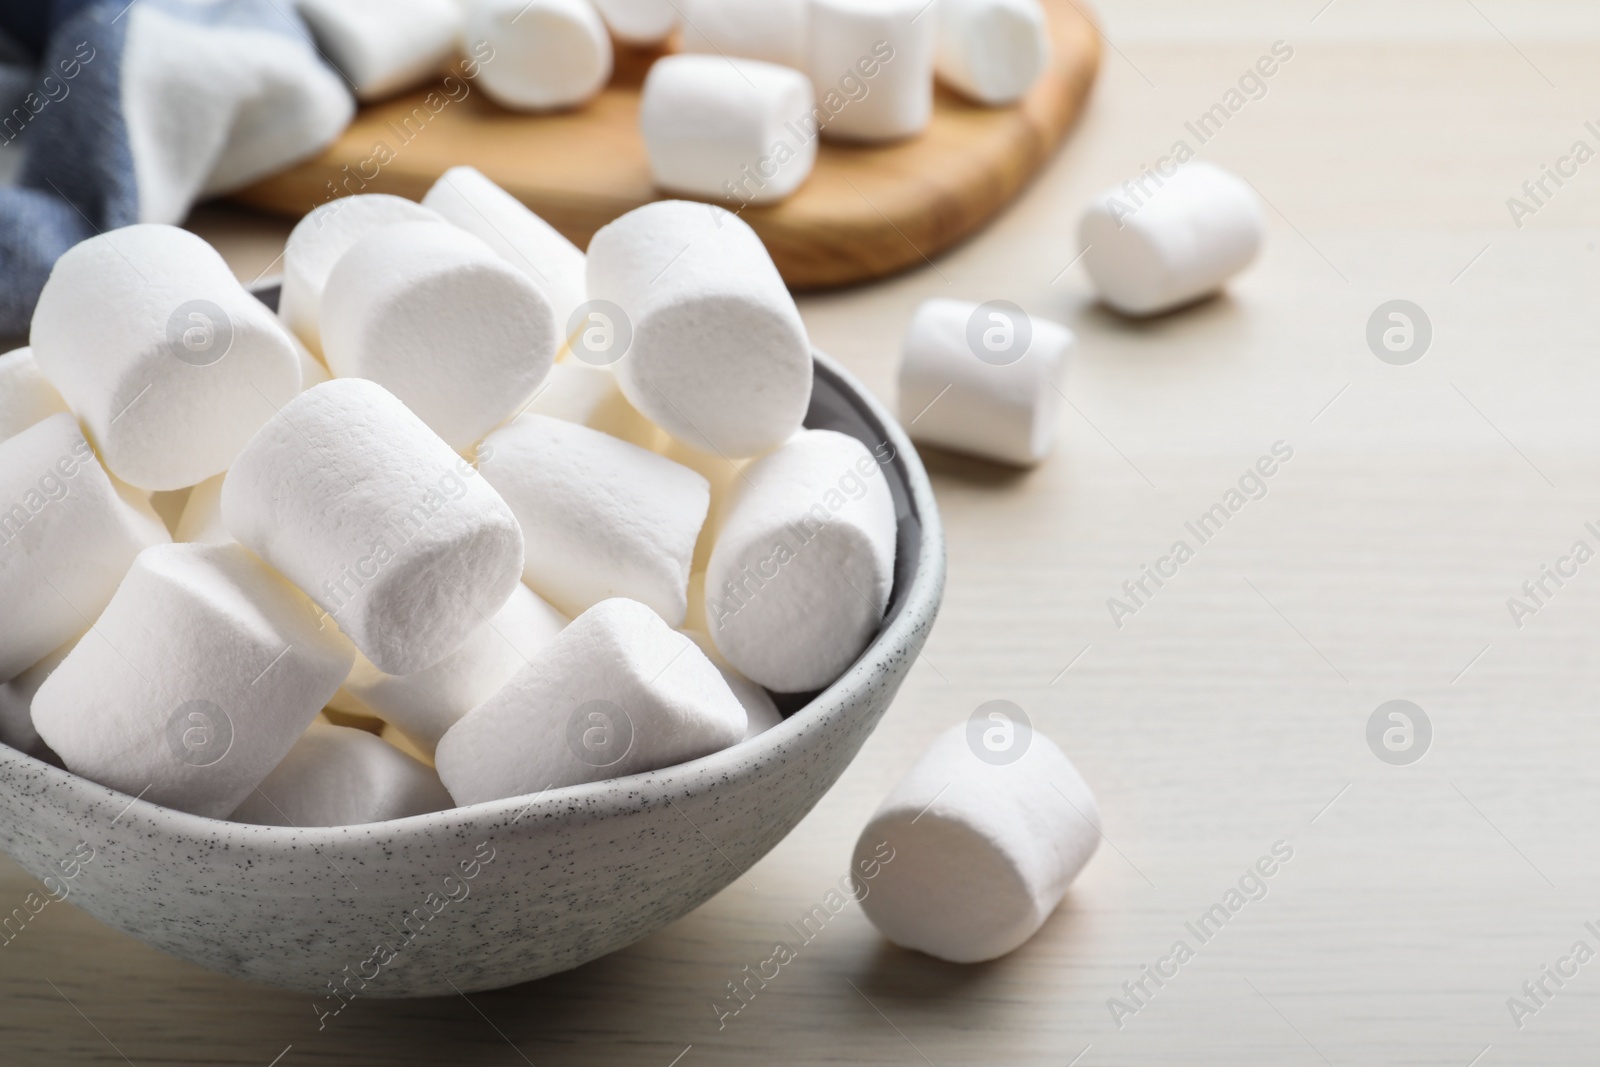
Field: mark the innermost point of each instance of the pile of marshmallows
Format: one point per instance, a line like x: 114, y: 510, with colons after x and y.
x: 739, y: 112
x: 408, y: 536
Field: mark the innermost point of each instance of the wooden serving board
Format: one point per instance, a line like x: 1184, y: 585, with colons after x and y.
x: 864, y: 213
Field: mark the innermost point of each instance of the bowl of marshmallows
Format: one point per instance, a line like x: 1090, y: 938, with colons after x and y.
x: 463, y: 610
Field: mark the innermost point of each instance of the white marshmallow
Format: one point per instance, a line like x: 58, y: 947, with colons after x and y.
x: 465, y: 198
x: 166, y: 359
x: 804, y: 563
x: 26, y: 395
x: 639, y: 22
x: 426, y: 704
x: 195, y: 682
x: 317, y: 243
x: 578, y: 392
x: 887, y: 45
x: 430, y: 313
x: 617, y: 693
x: 312, y: 370
x: 67, y: 536
x: 601, y: 518
x: 981, y: 852
x: 201, y: 521
x: 761, y: 714
x: 548, y: 54
x: 992, y: 51
x: 983, y: 380
x: 1149, y: 254
x: 719, y: 357
x: 339, y: 776
x: 16, y: 702
x: 393, y: 736
x: 384, y: 46
x: 772, y: 30
x: 357, y: 502
x: 712, y: 126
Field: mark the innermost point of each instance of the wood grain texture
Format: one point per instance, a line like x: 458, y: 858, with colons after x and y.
x: 864, y: 213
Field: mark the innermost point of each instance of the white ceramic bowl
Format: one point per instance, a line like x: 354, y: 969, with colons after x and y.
x: 492, y: 894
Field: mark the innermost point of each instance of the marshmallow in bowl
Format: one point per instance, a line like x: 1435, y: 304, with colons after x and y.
x: 548, y: 54
x: 773, y: 30
x: 617, y: 693
x: 1167, y: 242
x: 384, y: 46
x: 710, y: 124
x: 195, y: 682
x: 983, y: 851
x: 580, y: 392
x: 719, y: 357
x: 999, y: 400
x: 465, y: 198
x: 800, y: 576
x: 26, y: 395
x: 356, y: 501
x: 341, y: 776
x: 424, y: 705
x: 16, y: 702
x: 167, y: 360
x: 887, y: 45
x: 67, y: 537
x: 432, y: 314
x: 761, y: 714
x: 316, y: 245
x: 601, y: 518
x: 639, y: 22
x: 992, y: 51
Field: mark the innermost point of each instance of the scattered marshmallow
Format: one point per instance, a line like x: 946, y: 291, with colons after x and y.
x: 773, y: 30
x: 430, y: 313
x: 67, y: 536
x: 166, y: 359
x: 26, y: 395
x: 194, y: 683
x: 1150, y: 250
x: 804, y: 563
x: 201, y: 521
x: 720, y: 127
x: 465, y: 198
x: 357, y: 502
x: 579, y: 392
x: 317, y: 243
x: 761, y: 714
x: 983, y: 380
x: 617, y: 693
x: 639, y: 22
x: 888, y: 47
x: 719, y: 356
x: 548, y: 54
x: 601, y: 518
x: 16, y: 702
x: 981, y: 852
x: 992, y: 51
x: 384, y: 46
x: 339, y: 776
x: 426, y: 704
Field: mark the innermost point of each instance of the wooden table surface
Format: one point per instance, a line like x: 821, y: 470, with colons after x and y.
x: 1230, y: 713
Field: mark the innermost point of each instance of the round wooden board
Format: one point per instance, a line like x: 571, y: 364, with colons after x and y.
x: 864, y: 213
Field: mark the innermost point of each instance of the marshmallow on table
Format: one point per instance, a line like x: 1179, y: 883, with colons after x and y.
x: 719, y: 357
x: 579, y: 392
x: 761, y: 714
x: 728, y: 128
x: 429, y: 312
x: 886, y: 45
x: 426, y: 704
x: 16, y: 702
x: 617, y: 693
x: 384, y: 46
x: 195, y: 682
x: 976, y: 379
x: 980, y: 852
x: 548, y: 54
x: 201, y: 520
x: 26, y: 395
x: 639, y: 22
x: 600, y: 518
x: 773, y: 30
x: 803, y: 564
x: 339, y: 776
x: 67, y: 536
x: 166, y: 359
x: 992, y: 50
x: 358, y: 503
x: 316, y: 244
x: 1157, y: 245
x: 465, y: 198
